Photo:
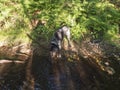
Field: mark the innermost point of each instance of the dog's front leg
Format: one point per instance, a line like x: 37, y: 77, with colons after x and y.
x: 60, y: 44
x: 67, y: 34
x: 69, y: 43
x: 59, y: 54
x: 60, y: 47
x: 68, y: 39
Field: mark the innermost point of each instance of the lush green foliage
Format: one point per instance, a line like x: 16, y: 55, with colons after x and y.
x: 100, y: 18
x: 13, y: 23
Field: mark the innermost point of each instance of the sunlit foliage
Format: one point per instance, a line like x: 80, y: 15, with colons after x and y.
x: 83, y: 16
x: 13, y: 22
x: 100, y: 18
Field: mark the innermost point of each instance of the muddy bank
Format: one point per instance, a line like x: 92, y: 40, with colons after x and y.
x: 15, y: 52
x: 13, y: 65
x: 11, y: 76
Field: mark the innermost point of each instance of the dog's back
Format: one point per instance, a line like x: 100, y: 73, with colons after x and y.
x: 66, y: 31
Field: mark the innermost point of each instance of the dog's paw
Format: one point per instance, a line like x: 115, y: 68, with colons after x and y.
x: 59, y: 56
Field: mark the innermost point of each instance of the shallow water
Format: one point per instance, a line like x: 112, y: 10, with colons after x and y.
x: 39, y: 74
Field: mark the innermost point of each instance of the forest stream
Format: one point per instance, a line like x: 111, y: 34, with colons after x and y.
x: 73, y: 71
x: 44, y: 75
x: 91, y: 62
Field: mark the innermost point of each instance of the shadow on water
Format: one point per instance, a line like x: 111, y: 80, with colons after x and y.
x: 64, y: 74
x: 38, y: 73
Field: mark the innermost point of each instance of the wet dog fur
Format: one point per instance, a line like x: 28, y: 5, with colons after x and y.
x: 57, y: 39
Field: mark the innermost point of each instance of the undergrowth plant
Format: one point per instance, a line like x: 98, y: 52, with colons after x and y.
x: 13, y: 22
x: 100, y: 18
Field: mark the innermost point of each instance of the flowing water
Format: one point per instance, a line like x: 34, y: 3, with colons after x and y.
x: 41, y: 74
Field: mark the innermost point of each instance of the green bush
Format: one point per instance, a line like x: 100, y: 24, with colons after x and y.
x: 13, y: 22
x: 99, y: 18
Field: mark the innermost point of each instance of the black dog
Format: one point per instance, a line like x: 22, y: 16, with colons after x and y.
x: 56, y: 41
